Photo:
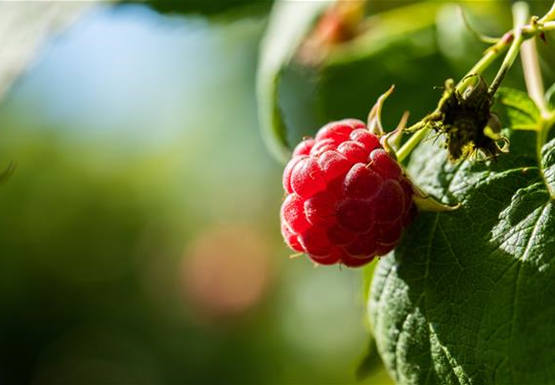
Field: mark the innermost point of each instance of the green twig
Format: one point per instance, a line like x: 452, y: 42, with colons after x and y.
x: 520, y: 15
x: 489, y: 57
x: 411, y: 143
x: 532, y: 74
x: 512, y: 41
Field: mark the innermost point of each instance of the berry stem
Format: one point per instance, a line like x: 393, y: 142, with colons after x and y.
x: 520, y: 15
x: 536, y: 91
x: 489, y: 57
x: 544, y: 27
x: 422, y: 129
x: 532, y: 75
x: 550, y: 15
x: 512, y: 41
x: 413, y: 141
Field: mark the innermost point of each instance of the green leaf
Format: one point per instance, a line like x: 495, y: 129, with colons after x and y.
x: 8, y: 172
x: 518, y: 109
x: 371, y: 362
x: 289, y: 23
x: 398, y: 48
x: 25, y: 27
x: 468, y: 297
x: 360, y: 72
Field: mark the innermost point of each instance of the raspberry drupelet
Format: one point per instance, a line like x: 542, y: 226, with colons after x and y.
x: 347, y: 200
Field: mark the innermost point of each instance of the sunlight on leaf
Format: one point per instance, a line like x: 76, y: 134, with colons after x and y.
x: 464, y: 298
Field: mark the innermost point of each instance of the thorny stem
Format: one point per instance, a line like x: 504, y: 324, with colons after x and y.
x: 511, y: 40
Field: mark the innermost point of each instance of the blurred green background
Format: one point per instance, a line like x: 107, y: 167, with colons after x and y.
x: 139, y: 236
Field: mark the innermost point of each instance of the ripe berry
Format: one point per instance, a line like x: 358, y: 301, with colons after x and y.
x: 347, y: 199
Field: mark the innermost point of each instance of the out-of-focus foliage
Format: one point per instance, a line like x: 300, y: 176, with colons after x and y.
x: 398, y: 45
x: 208, y: 7
x: 24, y: 27
x: 289, y: 24
x: 415, y: 46
x: 139, y: 239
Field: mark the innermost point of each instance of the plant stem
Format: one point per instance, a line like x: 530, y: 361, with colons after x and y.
x: 550, y: 15
x: 411, y: 143
x: 520, y: 15
x: 489, y: 57
x: 491, y: 54
x: 534, y: 29
x: 507, y: 63
x: 512, y: 41
x: 534, y: 85
x: 532, y: 75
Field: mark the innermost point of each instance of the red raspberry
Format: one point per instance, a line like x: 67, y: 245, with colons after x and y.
x: 347, y: 199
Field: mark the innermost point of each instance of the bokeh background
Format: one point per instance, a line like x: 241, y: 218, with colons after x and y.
x: 139, y: 235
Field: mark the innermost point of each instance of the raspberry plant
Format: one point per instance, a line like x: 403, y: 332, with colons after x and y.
x: 467, y: 296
